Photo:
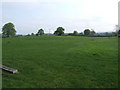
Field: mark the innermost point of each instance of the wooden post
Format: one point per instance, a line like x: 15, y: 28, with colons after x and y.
x: 11, y: 70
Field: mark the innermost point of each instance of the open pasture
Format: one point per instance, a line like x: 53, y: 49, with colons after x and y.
x: 61, y: 62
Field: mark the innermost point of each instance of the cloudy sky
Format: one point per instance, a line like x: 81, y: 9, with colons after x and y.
x: 30, y: 15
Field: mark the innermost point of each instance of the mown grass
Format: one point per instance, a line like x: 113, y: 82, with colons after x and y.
x: 61, y: 62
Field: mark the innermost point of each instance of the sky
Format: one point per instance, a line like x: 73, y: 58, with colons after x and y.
x: 29, y: 16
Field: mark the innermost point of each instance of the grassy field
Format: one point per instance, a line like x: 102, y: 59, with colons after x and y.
x: 61, y: 62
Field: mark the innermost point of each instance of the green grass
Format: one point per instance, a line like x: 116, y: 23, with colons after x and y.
x: 61, y: 62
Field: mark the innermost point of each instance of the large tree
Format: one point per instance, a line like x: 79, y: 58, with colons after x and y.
x: 86, y: 32
x: 59, y: 31
x: 40, y: 32
x: 8, y: 30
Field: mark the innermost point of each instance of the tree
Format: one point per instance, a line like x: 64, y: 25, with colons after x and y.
x: 106, y: 33
x: 8, y: 30
x: 28, y: 35
x: 56, y: 32
x: 81, y: 34
x: 32, y: 34
x: 75, y: 33
x: 92, y: 32
x: 70, y: 34
x: 36, y: 34
x: 86, y: 32
x: 40, y: 32
x: 59, y: 31
x: 114, y: 33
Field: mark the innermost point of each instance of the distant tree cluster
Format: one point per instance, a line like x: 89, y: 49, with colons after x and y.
x: 88, y: 32
x: 75, y: 33
x: 8, y: 30
x: 59, y: 31
x: 40, y: 32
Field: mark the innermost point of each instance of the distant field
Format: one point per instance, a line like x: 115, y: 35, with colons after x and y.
x: 61, y: 62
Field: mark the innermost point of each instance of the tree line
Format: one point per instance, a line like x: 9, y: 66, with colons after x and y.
x: 8, y: 30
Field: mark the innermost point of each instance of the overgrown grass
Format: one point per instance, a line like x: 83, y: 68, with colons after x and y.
x: 61, y: 62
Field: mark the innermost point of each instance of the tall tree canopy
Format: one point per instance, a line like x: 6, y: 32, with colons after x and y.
x: 40, y: 32
x: 59, y: 31
x: 86, y: 32
x: 9, y: 30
